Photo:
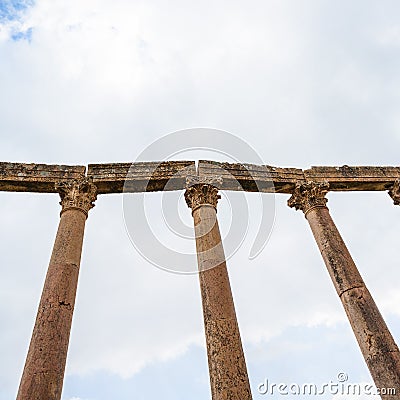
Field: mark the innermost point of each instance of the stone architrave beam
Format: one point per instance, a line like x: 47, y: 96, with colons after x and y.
x: 171, y: 175
x: 18, y: 177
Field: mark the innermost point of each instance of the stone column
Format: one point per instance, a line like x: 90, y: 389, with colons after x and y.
x: 376, y: 343
x: 226, y: 362
x: 394, y: 192
x: 43, y: 374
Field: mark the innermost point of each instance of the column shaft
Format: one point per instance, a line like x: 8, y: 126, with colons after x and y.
x: 226, y: 362
x: 374, y: 338
x: 43, y: 374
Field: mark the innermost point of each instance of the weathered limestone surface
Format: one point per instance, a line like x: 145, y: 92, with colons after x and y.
x: 226, y: 362
x: 347, y: 178
x: 251, y: 177
x: 43, y: 374
x: 265, y: 178
x: 394, y: 192
x: 376, y: 343
x: 17, y: 177
x: 141, y: 176
x: 170, y: 175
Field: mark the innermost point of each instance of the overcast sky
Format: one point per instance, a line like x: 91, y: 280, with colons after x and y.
x: 302, y: 82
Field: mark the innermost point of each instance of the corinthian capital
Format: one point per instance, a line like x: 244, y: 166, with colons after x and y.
x: 308, y: 195
x: 77, y: 194
x: 394, y: 192
x: 202, y: 191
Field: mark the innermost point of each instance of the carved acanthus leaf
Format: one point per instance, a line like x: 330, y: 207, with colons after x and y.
x: 78, y: 193
x: 308, y: 195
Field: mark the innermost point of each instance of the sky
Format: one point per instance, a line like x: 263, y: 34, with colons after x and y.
x: 302, y: 82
